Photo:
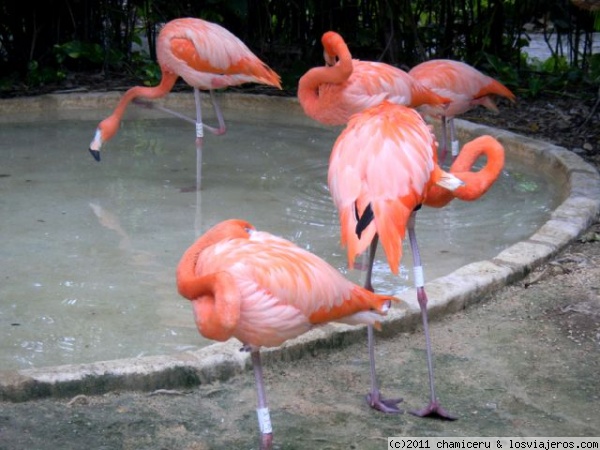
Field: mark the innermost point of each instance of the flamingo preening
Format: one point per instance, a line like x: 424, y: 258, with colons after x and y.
x: 345, y: 86
x: 380, y: 170
x: 264, y: 290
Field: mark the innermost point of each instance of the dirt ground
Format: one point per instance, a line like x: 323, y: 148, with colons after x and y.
x: 523, y: 362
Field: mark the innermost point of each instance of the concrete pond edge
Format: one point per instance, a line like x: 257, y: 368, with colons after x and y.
x: 577, y: 210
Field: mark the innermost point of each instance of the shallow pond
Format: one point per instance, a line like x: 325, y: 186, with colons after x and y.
x: 89, y: 249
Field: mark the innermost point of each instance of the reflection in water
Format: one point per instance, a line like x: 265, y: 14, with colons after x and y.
x: 144, y: 263
x: 90, y: 248
x: 110, y: 221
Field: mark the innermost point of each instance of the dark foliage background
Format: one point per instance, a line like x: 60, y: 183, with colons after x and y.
x: 49, y: 43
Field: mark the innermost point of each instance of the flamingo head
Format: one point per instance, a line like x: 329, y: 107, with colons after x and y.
x: 332, y: 42
x: 488, y: 102
x: 105, y: 131
x: 233, y: 228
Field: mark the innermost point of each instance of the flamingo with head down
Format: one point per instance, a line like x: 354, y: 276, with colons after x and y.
x: 477, y: 183
x: 381, y: 169
x: 207, y: 57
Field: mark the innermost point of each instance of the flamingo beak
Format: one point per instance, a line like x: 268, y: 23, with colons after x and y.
x: 95, y: 154
x: 95, y: 145
x: 329, y: 60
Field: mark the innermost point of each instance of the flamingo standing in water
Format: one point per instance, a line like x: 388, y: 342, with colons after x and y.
x: 380, y: 170
x: 331, y: 94
x: 264, y: 290
x: 206, y: 56
x: 465, y: 86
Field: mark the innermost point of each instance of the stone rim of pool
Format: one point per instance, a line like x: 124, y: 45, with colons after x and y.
x: 578, y: 209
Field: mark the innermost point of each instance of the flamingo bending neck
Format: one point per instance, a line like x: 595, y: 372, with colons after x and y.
x: 336, y: 72
x: 109, y: 126
x: 477, y: 183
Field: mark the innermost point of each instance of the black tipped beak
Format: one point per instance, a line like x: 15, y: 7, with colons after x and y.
x: 95, y: 154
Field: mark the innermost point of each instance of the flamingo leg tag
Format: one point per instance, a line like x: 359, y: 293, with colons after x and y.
x: 264, y: 420
x: 419, y: 276
x: 454, y: 148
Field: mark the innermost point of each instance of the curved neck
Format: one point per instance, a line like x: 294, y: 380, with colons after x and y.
x: 334, y: 48
x: 482, y: 146
x: 214, y: 295
x: 476, y: 183
x: 218, y: 306
x: 308, y: 86
x: 110, y: 125
x: 188, y: 276
x: 207, y: 319
x: 167, y: 82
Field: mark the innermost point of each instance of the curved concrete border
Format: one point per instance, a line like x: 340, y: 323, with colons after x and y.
x: 579, y: 208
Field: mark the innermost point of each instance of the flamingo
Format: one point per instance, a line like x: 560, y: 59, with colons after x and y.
x: 331, y: 94
x: 264, y: 290
x: 465, y: 86
x: 476, y: 184
x: 206, y: 56
x: 380, y: 170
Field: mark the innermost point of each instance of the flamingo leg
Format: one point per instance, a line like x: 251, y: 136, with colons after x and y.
x: 371, y: 260
x: 149, y: 105
x: 217, y: 131
x: 453, y: 139
x: 199, y: 138
x: 262, y: 411
x: 200, y: 126
x: 443, y: 142
x: 374, y: 398
x: 434, y: 409
x: 217, y: 109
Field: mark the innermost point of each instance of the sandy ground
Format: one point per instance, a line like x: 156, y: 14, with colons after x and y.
x: 523, y: 362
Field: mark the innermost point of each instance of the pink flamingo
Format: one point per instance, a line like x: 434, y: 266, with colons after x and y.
x: 206, y: 56
x: 331, y: 94
x: 465, y: 86
x: 381, y: 167
x: 264, y: 290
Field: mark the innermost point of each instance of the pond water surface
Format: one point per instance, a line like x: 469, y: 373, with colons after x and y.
x: 89, y: 249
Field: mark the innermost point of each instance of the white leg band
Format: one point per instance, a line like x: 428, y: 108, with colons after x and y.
x: 454, y: 148
x: 199, y: 130
x: 264, y: 420
x: 419, y: 277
